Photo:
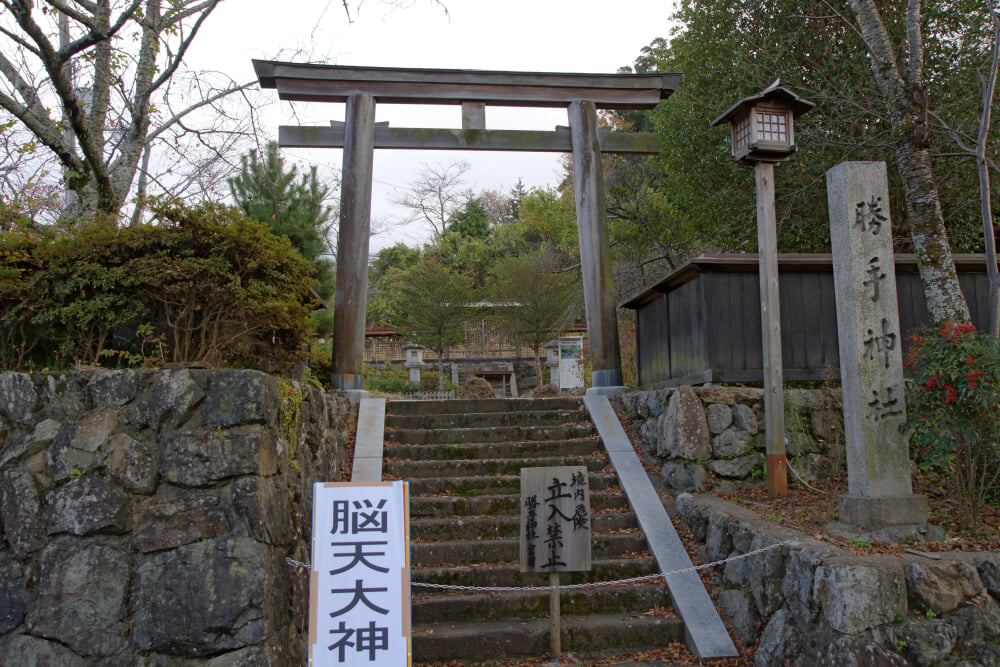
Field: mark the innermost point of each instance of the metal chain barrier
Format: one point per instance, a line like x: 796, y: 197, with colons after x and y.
x: 595, y: 584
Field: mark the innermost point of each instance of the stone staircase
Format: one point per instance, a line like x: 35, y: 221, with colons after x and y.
x: 463, y: 460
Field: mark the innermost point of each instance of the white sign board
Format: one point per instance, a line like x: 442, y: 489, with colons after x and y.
x: 359, y: 603
x: 571, y: 362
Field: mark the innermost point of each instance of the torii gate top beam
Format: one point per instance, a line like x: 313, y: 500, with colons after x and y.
x: 311, y: 82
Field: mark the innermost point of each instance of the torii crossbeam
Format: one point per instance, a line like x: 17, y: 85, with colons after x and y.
x: 362, y: 87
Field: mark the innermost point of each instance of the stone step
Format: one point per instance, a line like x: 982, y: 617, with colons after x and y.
x: 480, y: 419
x: 501, y: 484
x: 509, y: 574
x: 498, y: 505
x: 464, y: 406
x: 436, y: 436
x: 439, y: 606
x: 459, y: 552
x: 410, y: 470
x: 530, y: 637
x: 494, y: 450
x: 489, y: 527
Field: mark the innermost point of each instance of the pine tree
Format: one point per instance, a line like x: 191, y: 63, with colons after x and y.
x: 291, y: 204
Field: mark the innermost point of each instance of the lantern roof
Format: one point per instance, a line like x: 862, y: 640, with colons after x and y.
x: 776, y: 92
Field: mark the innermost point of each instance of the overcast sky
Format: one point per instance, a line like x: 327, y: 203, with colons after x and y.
x: 517, y: 35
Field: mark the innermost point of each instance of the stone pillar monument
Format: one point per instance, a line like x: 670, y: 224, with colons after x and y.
x: 880, y: 497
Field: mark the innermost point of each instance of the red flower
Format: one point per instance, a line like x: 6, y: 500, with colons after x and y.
x: 951, y: 395
x: 969, y: 361
x: 931, y: 383
x: 967, y: 328
x: 972, y: 377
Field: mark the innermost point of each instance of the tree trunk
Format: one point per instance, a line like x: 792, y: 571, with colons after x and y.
x: 986, y: 206
x: 907, y: 101
x: 440, y: 370
x: 945, y: 301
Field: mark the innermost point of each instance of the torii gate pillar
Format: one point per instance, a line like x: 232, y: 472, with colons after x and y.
x: 595, y: 249
x: 351, y: 302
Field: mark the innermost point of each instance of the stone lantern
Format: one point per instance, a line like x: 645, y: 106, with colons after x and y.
x: 414, y: 361
x: 552, y: 361
x: 763, y: 134
x: 763, y: 125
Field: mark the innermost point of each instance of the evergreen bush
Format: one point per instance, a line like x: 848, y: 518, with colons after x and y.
x: 201, y: 284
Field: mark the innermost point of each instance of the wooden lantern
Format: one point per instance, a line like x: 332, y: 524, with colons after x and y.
x: 763, y: 127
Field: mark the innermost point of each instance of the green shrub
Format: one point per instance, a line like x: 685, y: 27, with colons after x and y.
x: 321, y: 362
x: 201, y: 284
x: 429, y: 382
x: 391, y: 385
x: 952, y: 403
x: 323, y: 322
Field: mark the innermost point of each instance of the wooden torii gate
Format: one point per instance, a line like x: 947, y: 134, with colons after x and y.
x: 362, y: 87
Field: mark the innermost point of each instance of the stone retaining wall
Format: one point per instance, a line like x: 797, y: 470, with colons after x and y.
x: 811, y: 604
x: 147, y: 515
x: 711, y: 438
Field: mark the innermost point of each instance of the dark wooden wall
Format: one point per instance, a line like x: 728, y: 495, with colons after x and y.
x: 702, y: 322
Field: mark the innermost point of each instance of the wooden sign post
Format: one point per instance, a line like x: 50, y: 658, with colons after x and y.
x: 555, y: 529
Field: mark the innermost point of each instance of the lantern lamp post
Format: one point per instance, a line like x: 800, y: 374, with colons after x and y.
x: 763, y: 134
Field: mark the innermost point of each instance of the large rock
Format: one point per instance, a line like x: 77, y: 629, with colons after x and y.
x: 90, y: 504
x: 134, y: 463
x: 654, y: 402
x: 730, y: 395
x: 719, y: 416
x: 940, y: 586
x: 264, y: 504
x: 28, y: 651
x: 240, y: 397
x: 681, y: 477
x: 17, y: 396
x: 732, y: 443
x: 63, y: 395
x: 827, y: 425
x: 976, y: 624
x: 20, y: 444
x: 206, y: 455
x: 765, y: 571
x: 21, y: 512
x: 81, y: 597
x: 683, y: 428
x: 743, y: 618
x: 114, y: 389
x: 13, y: 596
x: 775, y: 641
x: 203, y: 598
x: 855, y: 594
x: 745, y: 419
x: 94, y: 430
x: 830, y: 649
x: 174, y: 397
x: 924, y: 641
x: 165, y: 524
x: 80, y: 454
x: 989, y: 571
x: 798, y: 582
x: 739, y: 468
x: 45, y: 433
x: 60, y: 459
